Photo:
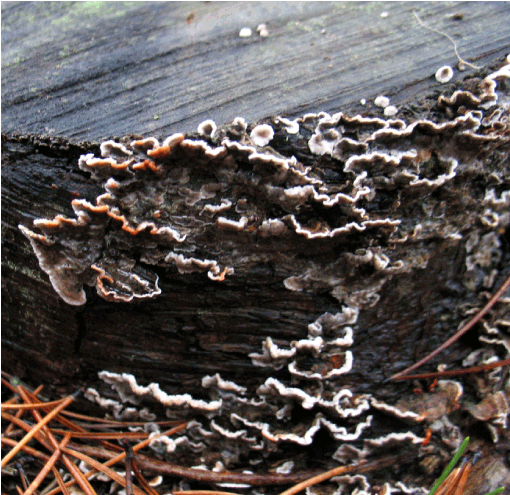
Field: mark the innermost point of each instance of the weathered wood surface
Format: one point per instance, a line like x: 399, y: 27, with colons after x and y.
x: 90, y: 71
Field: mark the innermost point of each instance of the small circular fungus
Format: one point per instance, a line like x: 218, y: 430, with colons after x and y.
x: 444, y: 74
x: 390, y: 111
x: 262, y: 134
x: 245, y: 32
x: 262, y: 30
x: 239, y: 124
x: 382, y: 101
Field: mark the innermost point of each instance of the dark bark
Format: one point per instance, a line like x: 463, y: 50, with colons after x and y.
x: 197, y: 326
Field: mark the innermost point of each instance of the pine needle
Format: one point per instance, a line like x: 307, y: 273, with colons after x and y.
x: 450, y: 466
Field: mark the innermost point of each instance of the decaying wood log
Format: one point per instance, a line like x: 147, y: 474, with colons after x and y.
x: 269, y: 276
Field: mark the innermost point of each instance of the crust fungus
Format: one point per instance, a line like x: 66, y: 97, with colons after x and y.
x: 217, y: 203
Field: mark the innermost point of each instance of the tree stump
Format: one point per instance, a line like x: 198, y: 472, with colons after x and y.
x: 269, y: 275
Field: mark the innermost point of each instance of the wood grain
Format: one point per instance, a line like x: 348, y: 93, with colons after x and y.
x: 75, y: 73
x: 90, y: 70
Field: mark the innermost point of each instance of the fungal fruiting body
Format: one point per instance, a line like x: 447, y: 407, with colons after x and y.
x: 444, y: 74
x: 215, y: 204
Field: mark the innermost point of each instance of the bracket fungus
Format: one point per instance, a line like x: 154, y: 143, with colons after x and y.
x: 220, y: 202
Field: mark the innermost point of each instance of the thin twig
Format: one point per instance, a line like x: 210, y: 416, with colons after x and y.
x: 133, y: 435
x: 447, y: 487
x: 60, y: 481
x: 20, y: 413
x: 52, y: 484
x: 72, y: 426
x: 492, y: 301
x: 29, y: 450
x: 22, y: 475
x: 266, y: 479
x: 203, y: 492
x: 461, y: 60
x: 440, y: 374
x: 450, y: 467
x: 321, y: 477
x: 112, y: 422
x: 466, y: 469
x: 129, y: 467
x: 31, y: 406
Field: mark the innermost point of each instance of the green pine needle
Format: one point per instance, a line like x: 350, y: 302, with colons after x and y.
x: 495, y: 492
x: 450, y: 466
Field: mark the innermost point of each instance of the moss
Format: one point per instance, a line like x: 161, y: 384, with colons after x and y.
x: 82, y: 10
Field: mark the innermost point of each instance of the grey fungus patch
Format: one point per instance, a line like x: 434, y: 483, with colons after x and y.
x: 248, y: 421
x: 122, y: 281
x: 149, y: 189
x: 129, y: 391
x: 84, y: 238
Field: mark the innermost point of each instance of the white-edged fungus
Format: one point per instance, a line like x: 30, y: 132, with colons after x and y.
x: 129, y: 391
x: 239, y: 123
x: 444, y: 74
x: 285, y: 468
x: 227, y: 224
x: 291, y: 126
x: 207, y: 128
x: 111, y: 148
x: 221, y: 384
x: 272, y: 227
x: 262, y: 134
